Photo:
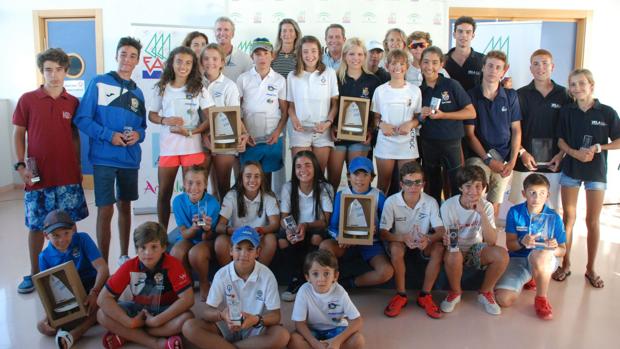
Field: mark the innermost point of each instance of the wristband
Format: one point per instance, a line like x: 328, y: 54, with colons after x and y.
x: 521, y: 151
x: 19, y: 165
x: 487, y: 160
x: 598, y: 147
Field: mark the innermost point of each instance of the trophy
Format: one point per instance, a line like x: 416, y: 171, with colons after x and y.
x: 225, y: 128
x: 541, y: 227
x: 542, y: 150
x: 186, y: 109
x: 353, y: 119
x: 453, y: 234
x: 31, y: 165
x: 435, y: 103
x: 396, y: 114
x: 127, y: 131
x: 357, y: 215
x: 290, y: 225
x: 314, y: 116
x: 201, y: 212
x: 256, y: 124
x: 234, y: 306
x: 586, y: 143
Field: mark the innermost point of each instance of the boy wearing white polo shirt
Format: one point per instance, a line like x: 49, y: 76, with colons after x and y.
x: 406, y: 221
x: 252, y: 288
x: 264, y: 109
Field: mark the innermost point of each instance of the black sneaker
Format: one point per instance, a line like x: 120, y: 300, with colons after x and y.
x: 291, y: 290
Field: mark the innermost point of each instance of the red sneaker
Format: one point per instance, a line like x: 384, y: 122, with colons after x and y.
x: 530, y: 285
x: 396, y: 304
x: 543, y: 308
x: 429, y: 305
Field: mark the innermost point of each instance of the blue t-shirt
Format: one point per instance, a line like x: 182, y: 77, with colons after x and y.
x: 334, y: 222
x: 494, y: 118
x: 82, y: 251
x: 518, y: 222
x: 184, y: 211
x: 453, y: 98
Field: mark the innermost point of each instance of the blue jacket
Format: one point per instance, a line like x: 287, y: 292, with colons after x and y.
x: 109, y: 104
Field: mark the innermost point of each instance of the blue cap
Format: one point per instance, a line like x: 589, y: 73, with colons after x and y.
x: 245, y: 233
x: 361, y: 163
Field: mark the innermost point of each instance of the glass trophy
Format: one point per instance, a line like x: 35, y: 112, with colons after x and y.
x: 353, y: 119
x: 234, y: 307
x: 64, y: 299
x: 541, y: 227
x: 542, y: 151
x: 224, y: 132
x: 315, y: 112
x: 435, y: 103
x: 415, y: 237
x: 453, y: 234
x: 185, y: 108
x: 127, y: 131
x: 201, y: 212
x: 587, y: 142
x: 291, y: 226
x: 396, y: 113
x: 257, y: 127
x: 157, y: 290
x: 357, y: 224
x: 31, y: 165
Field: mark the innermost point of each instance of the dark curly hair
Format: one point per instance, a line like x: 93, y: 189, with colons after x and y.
x: 194, y: 80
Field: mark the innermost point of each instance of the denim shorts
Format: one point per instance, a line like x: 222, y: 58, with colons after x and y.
x: 519, y: 272
x: 38, y: 203
x: 324, y: 335
x: 351, y: 147
x: 269, y: 155
x: 571, y: 182
x: 105, y: 178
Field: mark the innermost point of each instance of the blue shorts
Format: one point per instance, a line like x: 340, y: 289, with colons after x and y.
x: 38, y: 203
x: 324, y: 335
x: 519, y: 272
x: 126, y: 180
x: 269, y: 155
x: 367, y: 252
x: 571, y: 182
x: 132, y: 309
x: 351, y: 147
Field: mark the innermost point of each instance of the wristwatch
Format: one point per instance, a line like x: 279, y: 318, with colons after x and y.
x: 488, y: 159
x: 260, y: 322
x: 18, y: 165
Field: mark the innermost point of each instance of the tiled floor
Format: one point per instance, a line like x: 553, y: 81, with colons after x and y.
x: 584, y: 317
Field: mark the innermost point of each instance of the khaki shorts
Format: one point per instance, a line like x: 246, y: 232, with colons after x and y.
x: 497, y: 183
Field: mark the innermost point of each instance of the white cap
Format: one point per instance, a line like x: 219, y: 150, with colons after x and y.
x: 374, y: 45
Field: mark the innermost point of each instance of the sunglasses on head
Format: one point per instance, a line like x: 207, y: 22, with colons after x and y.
x: 408, y: 183
x: 415, y: 45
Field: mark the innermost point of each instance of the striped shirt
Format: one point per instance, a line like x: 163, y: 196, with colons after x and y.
x: 284, y: 63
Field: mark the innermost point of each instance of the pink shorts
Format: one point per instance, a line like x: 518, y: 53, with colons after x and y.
x: 182, y: 160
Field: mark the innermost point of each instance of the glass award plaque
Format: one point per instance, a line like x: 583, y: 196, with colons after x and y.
x: 435, y: 103
x: 542, y: 228
x: 542, y: 150
x: 256, y: 124
x: 186, y: 109
x: 31, y: 165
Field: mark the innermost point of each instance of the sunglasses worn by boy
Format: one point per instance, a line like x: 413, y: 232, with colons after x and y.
x: 409, y: 183
x: 415, y: 45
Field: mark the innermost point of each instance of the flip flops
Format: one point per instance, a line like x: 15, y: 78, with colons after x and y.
x: 595, y: 280
x: 62, y: 334
x: 112, y: 341
x: 174, y: 342
x: 560, y: 274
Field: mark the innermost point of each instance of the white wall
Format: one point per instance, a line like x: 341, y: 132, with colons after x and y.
x: 18, y: 71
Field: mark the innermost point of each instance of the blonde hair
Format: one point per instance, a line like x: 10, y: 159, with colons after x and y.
x: 400, y: 32
x: 581, y: 71
x: 348, y: 46
x: 419, y: 35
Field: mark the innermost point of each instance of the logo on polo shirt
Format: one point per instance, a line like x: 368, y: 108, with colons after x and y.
x: 555, y: 106
x: 135, y: 104
x: 521, y: 228
x: 217, y: 94
x: 228, y: 287
x: 323, y: 80
x: 259, y: 296
x: 445, y: 96
x: 269, y: 100
x: 504, y: 109
x: 66, y: 115
x: 473, y: 72
x: 188, y: 96
x: 271, y: 88
x: 332, y: 305
x: 599, y: 123
x: 75, y: 252
x: 365, y: 92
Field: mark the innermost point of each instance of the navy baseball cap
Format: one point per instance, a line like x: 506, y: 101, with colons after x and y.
x: 361, y: 163
x: 245, y: 233
x: 57, y: 219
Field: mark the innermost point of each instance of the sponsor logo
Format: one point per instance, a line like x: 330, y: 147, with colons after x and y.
x: 237, y: 17
x: 499, y: 43
x: 369, y: 17
x: 555, y: 106
x: 445, y: 96
x: 599, y: 123
x: 391, y: 19
x: 155, y: 54
x: 504, y: 109
x: 413, y: 18
x: 66, y: 115
x: 322, y: 17
x: 271, y: 88
x: 365, y: 92
x: 217, y: 94
x: 277, y: 17
x: 75, y: 252
x: 258, y: 18
x: 346, y: 18
x: 259, y: 296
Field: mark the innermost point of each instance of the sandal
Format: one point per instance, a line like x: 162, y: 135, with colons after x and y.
x: 174, y: 342
x: 68, y: 338
x: 560, y: 274
x: 112, y: 341
x: 595, y: 280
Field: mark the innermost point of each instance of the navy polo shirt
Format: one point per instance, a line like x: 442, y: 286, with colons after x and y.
x: 602, y: 123
x: 540, y: 117
x: 470, y: 73
x: 363, y: 87
x: 383, y: 75
x: 453, y: 98
x: 494, y: 118
x: 82, y: 251
x: 518, y: 222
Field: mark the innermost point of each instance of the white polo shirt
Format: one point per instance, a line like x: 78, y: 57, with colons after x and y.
x: 324, y: 311
x: 306, y: 202
x: 261, y: 108
x: 223, y: 91
x: 236, y: 63
x: 311, y: 93
x: 470, y: 226
x: 396, y: 106
x: 258, y: 294
x: 177, y: 102
x: 399, y: 218
x: 230, y: 211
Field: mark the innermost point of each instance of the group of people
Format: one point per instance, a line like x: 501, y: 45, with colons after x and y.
x: 448, y: 135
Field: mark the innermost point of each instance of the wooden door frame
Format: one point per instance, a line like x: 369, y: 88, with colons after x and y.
x: 40, y: 16
x: 583, y: 19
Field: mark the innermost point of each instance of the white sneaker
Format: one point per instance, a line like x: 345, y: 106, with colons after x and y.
x: 123, y: 259
x: 448, y: 304
x: 490, y: 305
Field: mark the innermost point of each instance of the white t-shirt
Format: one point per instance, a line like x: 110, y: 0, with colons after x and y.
x: 261, y: 108
x: 397, y: 106
x: 236, y: 63
x: 399, y: 218
x: 177, y: 102
x: 306, y: 202
x: 223, y: 91
x: 312, y: 93
x: 414, y: 75
x: 258, y: 294
x: 324, y: 311
x: 470, y: 226
x: 230, y: 211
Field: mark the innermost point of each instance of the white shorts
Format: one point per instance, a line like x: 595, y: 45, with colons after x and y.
x: 309, y: 139
x: 516, y: 187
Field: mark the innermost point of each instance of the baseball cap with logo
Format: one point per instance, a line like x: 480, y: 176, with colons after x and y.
x: 245, y: 233
x: 57, y: 219
x: 262, y: 43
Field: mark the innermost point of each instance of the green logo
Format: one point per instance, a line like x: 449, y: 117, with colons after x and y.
x: 159, y: 45
x: 498, y: 44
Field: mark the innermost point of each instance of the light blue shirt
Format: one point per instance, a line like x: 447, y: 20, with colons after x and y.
x: 330, y: 62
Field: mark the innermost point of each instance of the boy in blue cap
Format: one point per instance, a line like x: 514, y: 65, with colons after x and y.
x: 361, y: 173
x: 251, y: 288
x: 68, y: 245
